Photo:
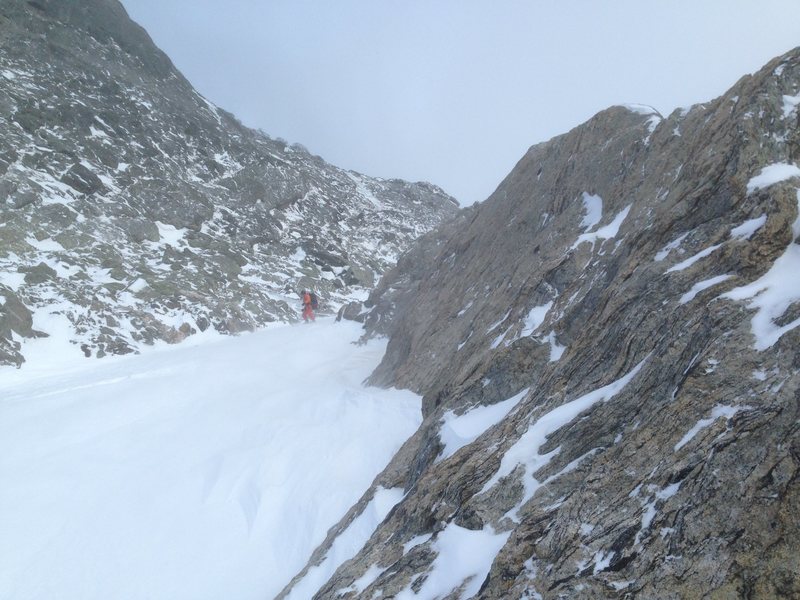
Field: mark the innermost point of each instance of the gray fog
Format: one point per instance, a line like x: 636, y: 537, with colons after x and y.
x: 455, y: 91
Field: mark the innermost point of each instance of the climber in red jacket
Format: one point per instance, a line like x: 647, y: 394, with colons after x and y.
x: 308, y: 306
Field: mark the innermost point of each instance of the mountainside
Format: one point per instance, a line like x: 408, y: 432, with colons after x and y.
x: 133, y: 210
x: 607, y: 349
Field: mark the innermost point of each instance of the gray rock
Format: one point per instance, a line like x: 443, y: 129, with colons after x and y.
x: 352, y: 311
x: 21, y: 199
x: 355, y: 275
x: 40, y: 273
x: 6, y: 189
x: 82, y: 179
x: 140, y: 230
x: 681, y: 483
x: 14, y: 315
x: 17, y: 318
x: 150, y: 196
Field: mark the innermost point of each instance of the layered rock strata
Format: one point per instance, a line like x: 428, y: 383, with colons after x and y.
x: 608, y: 354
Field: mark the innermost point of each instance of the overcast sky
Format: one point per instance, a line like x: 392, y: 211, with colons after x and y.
x: 455, y: 91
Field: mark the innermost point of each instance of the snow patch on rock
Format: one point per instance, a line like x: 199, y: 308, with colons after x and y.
x: 773, y: 293
x: 606, y: 232
x: 464, y: 557
x: 772, y: 174
x: 457, y: 431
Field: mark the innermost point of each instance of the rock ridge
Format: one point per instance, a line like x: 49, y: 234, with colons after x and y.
x: 607, y: 352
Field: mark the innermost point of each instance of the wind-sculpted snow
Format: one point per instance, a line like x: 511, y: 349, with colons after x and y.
x: 207, y: 470
x: 136, y: 210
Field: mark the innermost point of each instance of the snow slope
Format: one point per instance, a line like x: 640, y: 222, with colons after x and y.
x: 208, y: 470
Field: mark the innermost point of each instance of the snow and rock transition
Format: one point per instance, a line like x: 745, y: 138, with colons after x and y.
x: 607, y: 350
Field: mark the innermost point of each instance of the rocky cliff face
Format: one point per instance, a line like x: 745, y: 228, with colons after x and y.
x: 132, y: 209
x: 607, y: 349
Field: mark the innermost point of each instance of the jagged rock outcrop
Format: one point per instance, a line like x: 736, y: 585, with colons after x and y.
x: 135, y: 210
x: 607, y: 349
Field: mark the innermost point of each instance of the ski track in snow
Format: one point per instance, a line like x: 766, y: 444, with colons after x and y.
x: 204, y: 471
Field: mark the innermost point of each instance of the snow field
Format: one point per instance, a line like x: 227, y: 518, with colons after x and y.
x: 790, y: 104
x: 535, y: 318
x: 347, y: 545
x: 718, y: 411
x: 593, y: 207
x: 693, y: 259
x: 701, y: 286
x: 673, y: 245
x: 746, y: 230
x: 204, y: 471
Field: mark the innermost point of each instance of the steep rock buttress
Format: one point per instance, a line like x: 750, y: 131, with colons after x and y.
x: 607, y: 349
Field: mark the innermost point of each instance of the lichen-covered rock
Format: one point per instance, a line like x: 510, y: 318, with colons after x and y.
x: 608, y: 353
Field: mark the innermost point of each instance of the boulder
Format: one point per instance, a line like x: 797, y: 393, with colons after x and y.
x: 352, y: 311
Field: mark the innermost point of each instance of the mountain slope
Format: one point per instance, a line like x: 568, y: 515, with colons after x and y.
x: 607, y: 349
x: 134, y: 210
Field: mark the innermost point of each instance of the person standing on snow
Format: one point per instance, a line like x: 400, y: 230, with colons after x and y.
x: 308, y: 306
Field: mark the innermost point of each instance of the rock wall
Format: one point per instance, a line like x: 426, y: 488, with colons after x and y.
x: 607, y: 349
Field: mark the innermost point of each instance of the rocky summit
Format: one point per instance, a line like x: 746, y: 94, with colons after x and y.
x: 134, y: 210
x: 607, y: 350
